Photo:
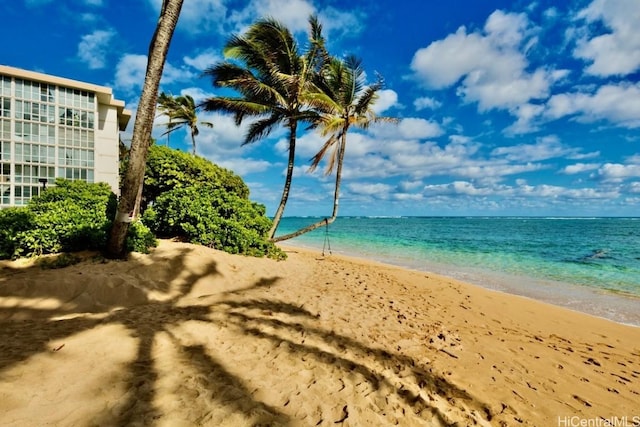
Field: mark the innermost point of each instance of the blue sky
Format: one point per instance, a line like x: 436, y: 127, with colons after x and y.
x: 506, y: 107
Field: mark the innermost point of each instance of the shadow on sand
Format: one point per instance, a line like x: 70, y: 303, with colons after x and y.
x: 26, y: 331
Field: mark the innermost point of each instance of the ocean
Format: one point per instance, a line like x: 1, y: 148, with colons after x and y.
x: 585, y: 264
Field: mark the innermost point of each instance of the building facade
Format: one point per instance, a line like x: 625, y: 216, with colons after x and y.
x: 52, y: 127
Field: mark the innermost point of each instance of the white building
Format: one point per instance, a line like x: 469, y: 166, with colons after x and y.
x: 52, y: 127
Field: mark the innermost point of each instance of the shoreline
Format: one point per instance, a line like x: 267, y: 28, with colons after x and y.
x: 501, y: 282
x: 188, y: 335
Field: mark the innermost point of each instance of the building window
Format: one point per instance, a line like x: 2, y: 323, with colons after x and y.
x: 5, y: 172
x: 35, y: 91
x: 76, y: 98
x: 5, y: 86
x: 35, y: 111
x: 5, y: 107
x: 5, y: 129
x: 35, y: 132
x: 31, y: 174
x: 5, y: 150
x: 23, y: 193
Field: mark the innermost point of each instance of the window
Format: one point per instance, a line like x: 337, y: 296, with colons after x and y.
x: 34, y: 91
x: 5, y: 172
x: 5, y: 107
x: 5, y: 129
x: 5, y: 86
x: 34, y: 111
x: 5, y: 194
x: 5, y: 150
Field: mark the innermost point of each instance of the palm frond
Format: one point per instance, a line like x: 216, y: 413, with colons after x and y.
x: 261, y: 128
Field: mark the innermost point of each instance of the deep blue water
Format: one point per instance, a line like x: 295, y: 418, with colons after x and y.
x: 589, y: 264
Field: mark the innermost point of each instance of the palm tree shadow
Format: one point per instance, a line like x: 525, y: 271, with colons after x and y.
x: 422, y: 391
x: 26, y: 330
x: 228, y: 389
x: 247, y: 310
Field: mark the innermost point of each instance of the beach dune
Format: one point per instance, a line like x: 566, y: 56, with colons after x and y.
x: 189, y: 336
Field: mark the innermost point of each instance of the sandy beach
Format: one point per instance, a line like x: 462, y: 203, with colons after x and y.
x: 190, y: 336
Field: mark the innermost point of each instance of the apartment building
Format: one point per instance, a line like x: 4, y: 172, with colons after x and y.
x: 52, y: 127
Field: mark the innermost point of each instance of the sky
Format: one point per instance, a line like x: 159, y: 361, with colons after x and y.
x: 505, y: 107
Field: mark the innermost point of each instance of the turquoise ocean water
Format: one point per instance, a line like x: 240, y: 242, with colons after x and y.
x: 586, y: 264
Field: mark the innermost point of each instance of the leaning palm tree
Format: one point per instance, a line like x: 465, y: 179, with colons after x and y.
x: 273, y: 82
x: 344, y: 101
x: 134, y: 175
x: 181, y: 111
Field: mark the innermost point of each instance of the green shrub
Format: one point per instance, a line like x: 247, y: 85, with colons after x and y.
x: 168, y: 169
x: 13, y: 222
x: 213, y: 217
x: 140, y: 238
x: 68, y: 217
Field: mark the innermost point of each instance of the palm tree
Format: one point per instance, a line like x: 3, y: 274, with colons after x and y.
x: 165, y: 104
x: 181, y: 111
x: 141, y: 138
x: 343, y: 101
x: 273, y: 84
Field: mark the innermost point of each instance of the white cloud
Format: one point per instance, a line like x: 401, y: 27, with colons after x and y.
x: 202, y: 60
x: 377, y: 190
x: 338, y: 22
x: 617, y: 103
x: 387, y: 98
x: 294, y: 14
x: 207, y: 16
x: 489, y: 65
x: 93, y: 48
x: 526, y: 115
x: 579, y: 168
x: 547, y: 192
x: 548, y: 147
x: 424, y: 103
x: 409, y: 128
x: 198, y: 95
x: 616, y: 52
x: 634, y: 187
x: 199, y: 16
x: 615, y: 172
x: 131, y: 69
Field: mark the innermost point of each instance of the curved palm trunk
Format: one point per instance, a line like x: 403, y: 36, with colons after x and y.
x: 141, y: 139
x: 293, y: 125
x: 336, y: 197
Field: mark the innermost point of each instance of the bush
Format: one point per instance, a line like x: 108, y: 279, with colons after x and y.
x: 213, y: 217
x: 140, y: 238
x: 168, y: 169
x: 72, y: 216
x: 13, y: 222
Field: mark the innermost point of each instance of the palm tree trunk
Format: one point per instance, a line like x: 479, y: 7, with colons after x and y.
x: 169, y: 133
x: 336, y: 197
x: 141, y: 139
x: 193, y: 142
x: 293, y: 125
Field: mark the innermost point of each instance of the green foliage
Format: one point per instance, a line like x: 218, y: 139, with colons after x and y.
x: 13, y: 222
x: 140, y: 238
x: 213, y: 217
x: 168, y: 169
x: 68, y: 217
